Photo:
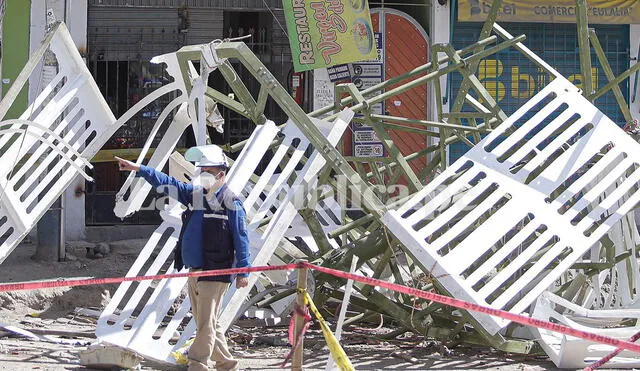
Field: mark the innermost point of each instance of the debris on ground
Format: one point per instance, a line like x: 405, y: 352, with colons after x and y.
x: 105, y: 356
x: 44, y: 313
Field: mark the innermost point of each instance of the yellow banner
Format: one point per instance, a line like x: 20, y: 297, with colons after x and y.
x: 557, y: 11
x: 324, y: 33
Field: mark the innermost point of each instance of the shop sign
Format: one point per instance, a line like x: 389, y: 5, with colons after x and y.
x: 329, y: 32
x: 505, y: 79
x: 339, y: 72
x: 557, y: 11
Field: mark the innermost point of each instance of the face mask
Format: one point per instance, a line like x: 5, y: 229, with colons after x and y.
x: 207, y: 181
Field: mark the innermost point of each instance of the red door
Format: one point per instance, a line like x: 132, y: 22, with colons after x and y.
x: 406, y: 47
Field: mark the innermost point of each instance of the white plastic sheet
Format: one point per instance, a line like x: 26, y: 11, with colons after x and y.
x: 502, y: 223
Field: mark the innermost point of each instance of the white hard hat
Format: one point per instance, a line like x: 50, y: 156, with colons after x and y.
x: 207, y: 156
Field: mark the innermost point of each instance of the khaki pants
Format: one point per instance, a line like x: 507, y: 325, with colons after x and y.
x: 210, y: 343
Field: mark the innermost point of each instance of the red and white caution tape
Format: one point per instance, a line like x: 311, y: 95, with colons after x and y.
x: 460, y: 304
x: 34, y: 285
x: 610, y: 356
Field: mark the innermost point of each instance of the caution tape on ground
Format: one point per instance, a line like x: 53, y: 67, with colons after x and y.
x: 461, y: 304
x: 337, y: 353
x: 431, y: 296
x: 180, y: 355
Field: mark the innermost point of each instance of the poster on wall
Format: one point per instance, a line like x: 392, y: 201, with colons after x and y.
x: 339, y: 73
x: 329, y: 32
x: 323, y: 89
x: 366, y: 74
x: 368, y: 150
x: 365, y: 136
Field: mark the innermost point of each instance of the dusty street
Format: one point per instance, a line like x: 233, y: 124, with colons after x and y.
x: 51, y: 310
x: 16, y: 354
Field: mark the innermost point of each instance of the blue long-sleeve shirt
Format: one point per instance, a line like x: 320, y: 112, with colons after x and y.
x: 192, y: 243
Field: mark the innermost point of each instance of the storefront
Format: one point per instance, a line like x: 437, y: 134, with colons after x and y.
x: 512, y: 79
x: 122, y: 39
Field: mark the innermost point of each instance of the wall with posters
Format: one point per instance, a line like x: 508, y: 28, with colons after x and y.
x: 366, y: 74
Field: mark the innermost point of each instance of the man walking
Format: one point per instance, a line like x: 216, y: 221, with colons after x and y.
x: 213, y: 235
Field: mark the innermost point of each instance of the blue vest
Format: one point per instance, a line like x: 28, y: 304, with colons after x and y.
x: 218, y: 251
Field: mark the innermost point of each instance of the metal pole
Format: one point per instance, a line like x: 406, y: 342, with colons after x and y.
x: 433, y: 75
x: 395, y: 80
x: 3, y: 7
x: 585, y: 48
x: 608, y: 72
x: 62, y: 251
x: 603, y: 90
x: 51, y: 227
x: 296, y: 364
x: 237, y: 107
x: 49, y: 234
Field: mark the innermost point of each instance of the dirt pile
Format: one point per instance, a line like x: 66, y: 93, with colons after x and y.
x: 81, y: 262
x: 35, y: 300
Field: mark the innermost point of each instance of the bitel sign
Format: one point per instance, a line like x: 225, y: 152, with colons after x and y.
x: 557, y: 11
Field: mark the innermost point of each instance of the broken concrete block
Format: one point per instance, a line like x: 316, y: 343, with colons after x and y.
x: 70, y: 257
x: 109, y: 356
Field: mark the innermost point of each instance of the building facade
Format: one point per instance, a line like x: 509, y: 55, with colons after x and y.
x: 122, y: 39
x: 551, y: 33
x: 118, y: 38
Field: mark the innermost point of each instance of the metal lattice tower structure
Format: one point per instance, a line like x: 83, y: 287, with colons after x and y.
x: 375, y: 233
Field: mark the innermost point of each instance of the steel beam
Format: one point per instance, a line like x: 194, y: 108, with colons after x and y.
x: 470, y: 79
x: 411, y: 74
x: 617, y: 92
x: 585, y: 48
x: 334, y: 158
x: 412, y: 179
x: 620, y: 78
x: 433, y: 75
